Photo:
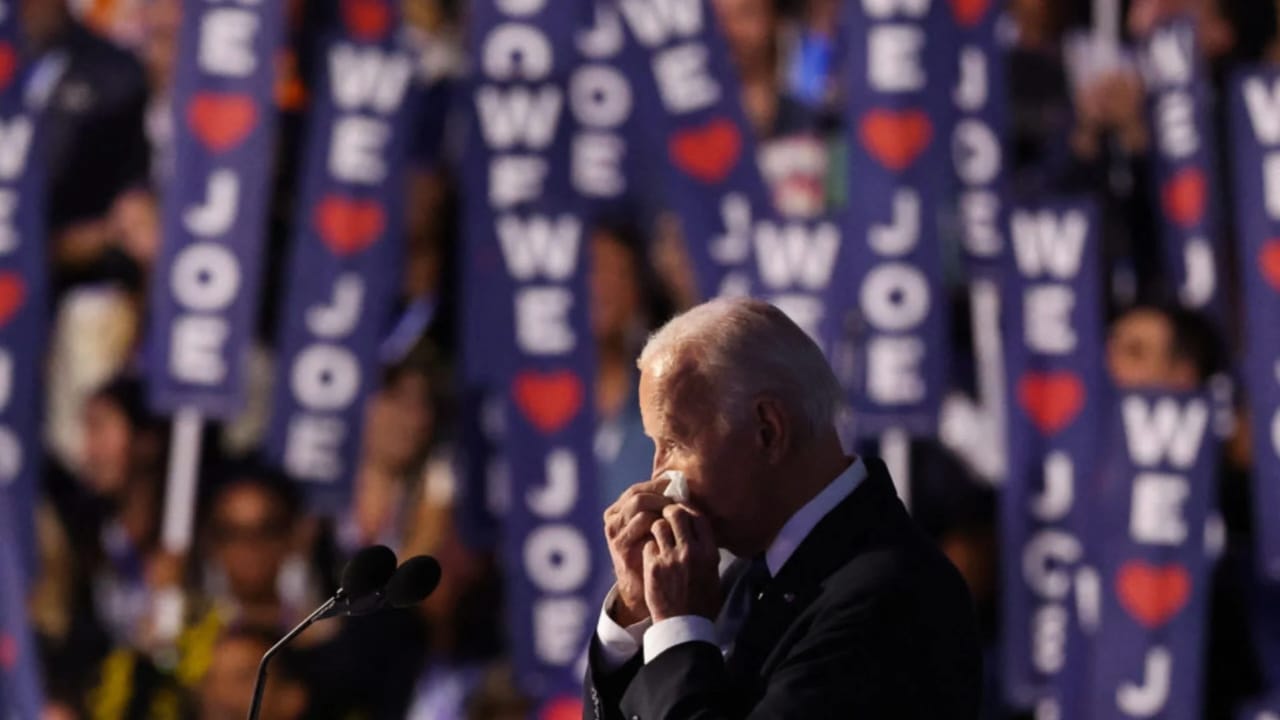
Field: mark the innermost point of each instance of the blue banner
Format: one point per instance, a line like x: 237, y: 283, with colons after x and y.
x: 978, y: 139
x: 1052, y: 337
x: 1179, y: 108
x: 528, y: 332
x: 739, y: 241
x: 899, y: 74
x: 20, y: 695
x: 975, y: 429
x: 1255, y: 136
x: 1155, y: 491
x: 704, y: 148
x: 204, y: 295
x: 347, y: 251
x: 23, y: 301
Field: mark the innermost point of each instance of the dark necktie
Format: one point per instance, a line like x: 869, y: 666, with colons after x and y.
x: 737, y: 604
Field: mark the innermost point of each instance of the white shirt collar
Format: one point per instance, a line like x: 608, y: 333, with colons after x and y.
x: 808, y: 517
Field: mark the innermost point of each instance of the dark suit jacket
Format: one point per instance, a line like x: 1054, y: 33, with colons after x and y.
x: 866, y: 620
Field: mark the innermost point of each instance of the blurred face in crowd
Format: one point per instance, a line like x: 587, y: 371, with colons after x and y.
x: 163, y: 21
x: 1038, y: 21
x: 42, y: 19
x: 615, y: 288
x: 1140, y: 353
x: 400, y: 421
x: 727, y: 476
x: 250, y: 534
x: 228, y: 684
x: 108, y: 446
x: 750, y: 27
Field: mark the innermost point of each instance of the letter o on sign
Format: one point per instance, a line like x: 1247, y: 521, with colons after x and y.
x: 205, y: 277
x: 601, y: 96
x: 557, y: 558
x: 325, y: 377
x: 895, y: 297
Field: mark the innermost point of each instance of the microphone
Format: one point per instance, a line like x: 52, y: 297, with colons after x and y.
x: 362, y: 578
x: 413, y: 582
x: 363, y: 582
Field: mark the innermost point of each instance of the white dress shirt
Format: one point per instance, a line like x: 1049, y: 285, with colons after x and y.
x: 619, y: 644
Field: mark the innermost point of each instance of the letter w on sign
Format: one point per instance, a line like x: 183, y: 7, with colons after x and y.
x: 368, y: 78
x: 1263, y: 104
x: 795, y: 256
x: 540, y: 246
x: 1164, y: 431
x: 518, y: 115
x: 657, y: 22
x: 1046, y: 243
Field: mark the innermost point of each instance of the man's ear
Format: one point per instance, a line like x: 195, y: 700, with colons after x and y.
x: 773, y: 433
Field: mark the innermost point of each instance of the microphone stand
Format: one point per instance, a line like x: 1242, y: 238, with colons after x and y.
x: 260, y: 684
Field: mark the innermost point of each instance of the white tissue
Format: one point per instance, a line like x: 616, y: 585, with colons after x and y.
x: 678, y: 488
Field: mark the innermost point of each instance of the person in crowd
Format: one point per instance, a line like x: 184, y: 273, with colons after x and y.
x: 1161, y: 346
x: 837, y: 604
x: 227, y: 688
x: 462, y: 619
x: 793, y: 153
x: 813, y: 74
x: 111, y: 510
x: 400, y: 424
x: 626, y: 305
x: 91, y: 98
x: 250, y: 517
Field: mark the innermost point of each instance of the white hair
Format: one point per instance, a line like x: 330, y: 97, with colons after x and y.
x: 743, y: 347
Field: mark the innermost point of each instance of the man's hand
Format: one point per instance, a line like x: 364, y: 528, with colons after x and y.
x: 681, y: 566
x: 628, y: 525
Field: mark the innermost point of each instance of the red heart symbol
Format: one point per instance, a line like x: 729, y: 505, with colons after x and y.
x: 221, y: 121
x: 561, y: 708
x: 367, y: 20
x: 548, y: 400
x: 1153, y: 595
x: 1183, y: 197
x: 896, y: 139
x: 13, y: 292
x: 8, y: 652
x: 1052, y: 400
x: 8, y: 64
x: 1269, y: 262
x: 969, y: 12
x: 707, y: 153
x: 348, y: 225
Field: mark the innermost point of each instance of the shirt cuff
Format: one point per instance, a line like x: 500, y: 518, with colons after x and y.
x: 678, y: 630
x: 618, y: 644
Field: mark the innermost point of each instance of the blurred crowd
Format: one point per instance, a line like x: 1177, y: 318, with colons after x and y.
x: 111, y: 644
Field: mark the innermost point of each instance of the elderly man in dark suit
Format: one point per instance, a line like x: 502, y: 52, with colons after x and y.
x: 835, y: 604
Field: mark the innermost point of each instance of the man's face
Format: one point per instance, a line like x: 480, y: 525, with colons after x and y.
x: 721, y: 464
x: 1140, y: 353
x: 251, y: 540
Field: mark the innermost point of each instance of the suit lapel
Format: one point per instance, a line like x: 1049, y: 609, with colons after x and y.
x: 837, y: 538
